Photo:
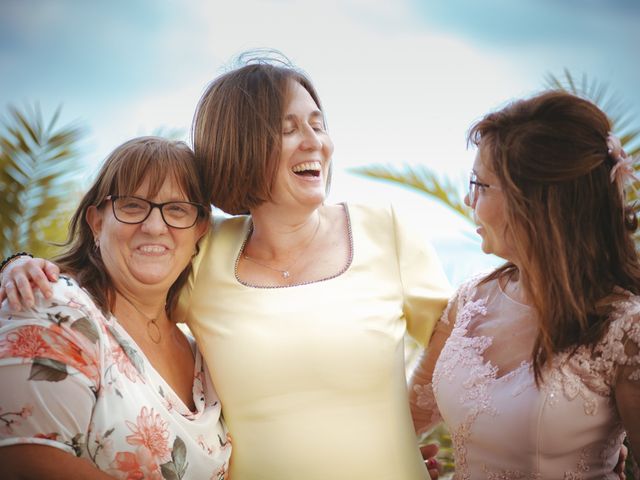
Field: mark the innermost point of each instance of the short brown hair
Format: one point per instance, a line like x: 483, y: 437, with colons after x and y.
x: 152, y: 159
x: 237, y: 130
x: 571, y: 228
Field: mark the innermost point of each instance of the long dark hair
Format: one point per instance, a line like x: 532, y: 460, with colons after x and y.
x: 571, y: 228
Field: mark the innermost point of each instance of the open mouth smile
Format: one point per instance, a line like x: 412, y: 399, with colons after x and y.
x: 152, y: 249
x: 307, y: 169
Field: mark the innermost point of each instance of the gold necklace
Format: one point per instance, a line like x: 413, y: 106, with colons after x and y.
x: 286, y: 273
x: 153, y: 330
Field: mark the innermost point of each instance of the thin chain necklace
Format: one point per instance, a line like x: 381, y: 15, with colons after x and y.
x: 286, y: 273
x: 153, y: 330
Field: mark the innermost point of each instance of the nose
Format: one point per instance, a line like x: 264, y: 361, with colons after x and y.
x: 467, y: 201
x: 154, y: 224
x: 311, y: 139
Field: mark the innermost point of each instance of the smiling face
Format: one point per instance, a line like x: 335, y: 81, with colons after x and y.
x: 149, y: 254
x: 489, y: 211
x: 306, y: 152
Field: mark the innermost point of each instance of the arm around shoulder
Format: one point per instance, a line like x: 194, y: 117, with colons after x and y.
x: 24, y: 274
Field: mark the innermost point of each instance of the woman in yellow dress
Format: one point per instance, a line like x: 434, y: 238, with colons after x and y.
x: 300, y: 308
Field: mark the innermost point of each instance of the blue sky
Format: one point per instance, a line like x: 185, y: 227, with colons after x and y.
x: 401, y: 80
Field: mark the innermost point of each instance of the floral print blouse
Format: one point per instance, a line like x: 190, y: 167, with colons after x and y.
x: 75, y: 380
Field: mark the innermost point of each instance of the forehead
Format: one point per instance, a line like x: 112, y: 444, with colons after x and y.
x: 299, y: 100
x: 481, y: 164
x: 153, y: 188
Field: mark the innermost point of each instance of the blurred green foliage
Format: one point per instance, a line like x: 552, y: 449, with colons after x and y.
x: 38, y: 161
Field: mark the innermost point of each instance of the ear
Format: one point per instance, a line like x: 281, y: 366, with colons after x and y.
x: 202, y: 228
x: 93, y: 217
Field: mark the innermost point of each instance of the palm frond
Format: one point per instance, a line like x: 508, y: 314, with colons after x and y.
x: 623, y: 120
x: 421, y: 179
x: 37, y: 164
x: 624, y: 123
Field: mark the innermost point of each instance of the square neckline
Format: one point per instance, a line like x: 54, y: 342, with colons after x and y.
x: 341, y: 272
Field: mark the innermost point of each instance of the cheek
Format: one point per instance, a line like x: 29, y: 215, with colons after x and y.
x: 186, y: 245
x: 115, y: 237
x: 481, y: 212
x: 287, y: 148
x: 491, y: 214
x: 328, y: 147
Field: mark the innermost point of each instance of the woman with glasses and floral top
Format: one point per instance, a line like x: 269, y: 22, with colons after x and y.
x: 535, y: 367
x: 98, y: 381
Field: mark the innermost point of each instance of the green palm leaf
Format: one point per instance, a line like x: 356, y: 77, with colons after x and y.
x: 623, y: 121
x: 37, y: 163
x: 423, y: 180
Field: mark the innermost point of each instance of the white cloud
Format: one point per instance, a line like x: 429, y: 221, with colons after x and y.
x: 392, y: 94
x: 394, y: 90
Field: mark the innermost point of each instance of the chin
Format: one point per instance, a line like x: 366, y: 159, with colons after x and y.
x: 486, y: 248
x: 315, y: 201
x: 156, y: 278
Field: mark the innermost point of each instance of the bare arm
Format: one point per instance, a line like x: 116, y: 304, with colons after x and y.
x: 19, y: 278
x: 26, y: 462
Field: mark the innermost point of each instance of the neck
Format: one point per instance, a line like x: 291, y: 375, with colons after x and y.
x: 514, y: 287
x: 147, y: 307
x: 278, y: 234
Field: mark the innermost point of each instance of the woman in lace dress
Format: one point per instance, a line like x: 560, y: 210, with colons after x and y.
x: 535, y: 367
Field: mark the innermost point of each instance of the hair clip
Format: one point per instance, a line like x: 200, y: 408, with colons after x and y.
x: 622, y: 171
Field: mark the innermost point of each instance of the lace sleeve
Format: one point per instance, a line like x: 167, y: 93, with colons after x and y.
x: 617, y: 356
x: 424, y: 409
x: 627, y: 380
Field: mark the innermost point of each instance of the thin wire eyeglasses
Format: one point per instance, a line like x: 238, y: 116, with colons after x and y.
x: 133, y: 210
x: 475, y: 188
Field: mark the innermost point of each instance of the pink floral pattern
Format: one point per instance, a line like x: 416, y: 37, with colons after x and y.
x: 150, y: 431
x: 26, y: 342
x: 125, y: 365
x: 140, y: 464
x: 64, y: 358
x: 507, y: 427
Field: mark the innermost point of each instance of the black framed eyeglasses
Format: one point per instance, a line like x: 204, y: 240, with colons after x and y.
x: 476, y: 187
x: 132, y: 210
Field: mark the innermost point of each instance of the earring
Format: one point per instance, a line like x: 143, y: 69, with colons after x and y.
x: 96, y: 244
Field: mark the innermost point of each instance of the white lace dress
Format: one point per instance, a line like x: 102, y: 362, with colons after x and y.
x: 502, y: 425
